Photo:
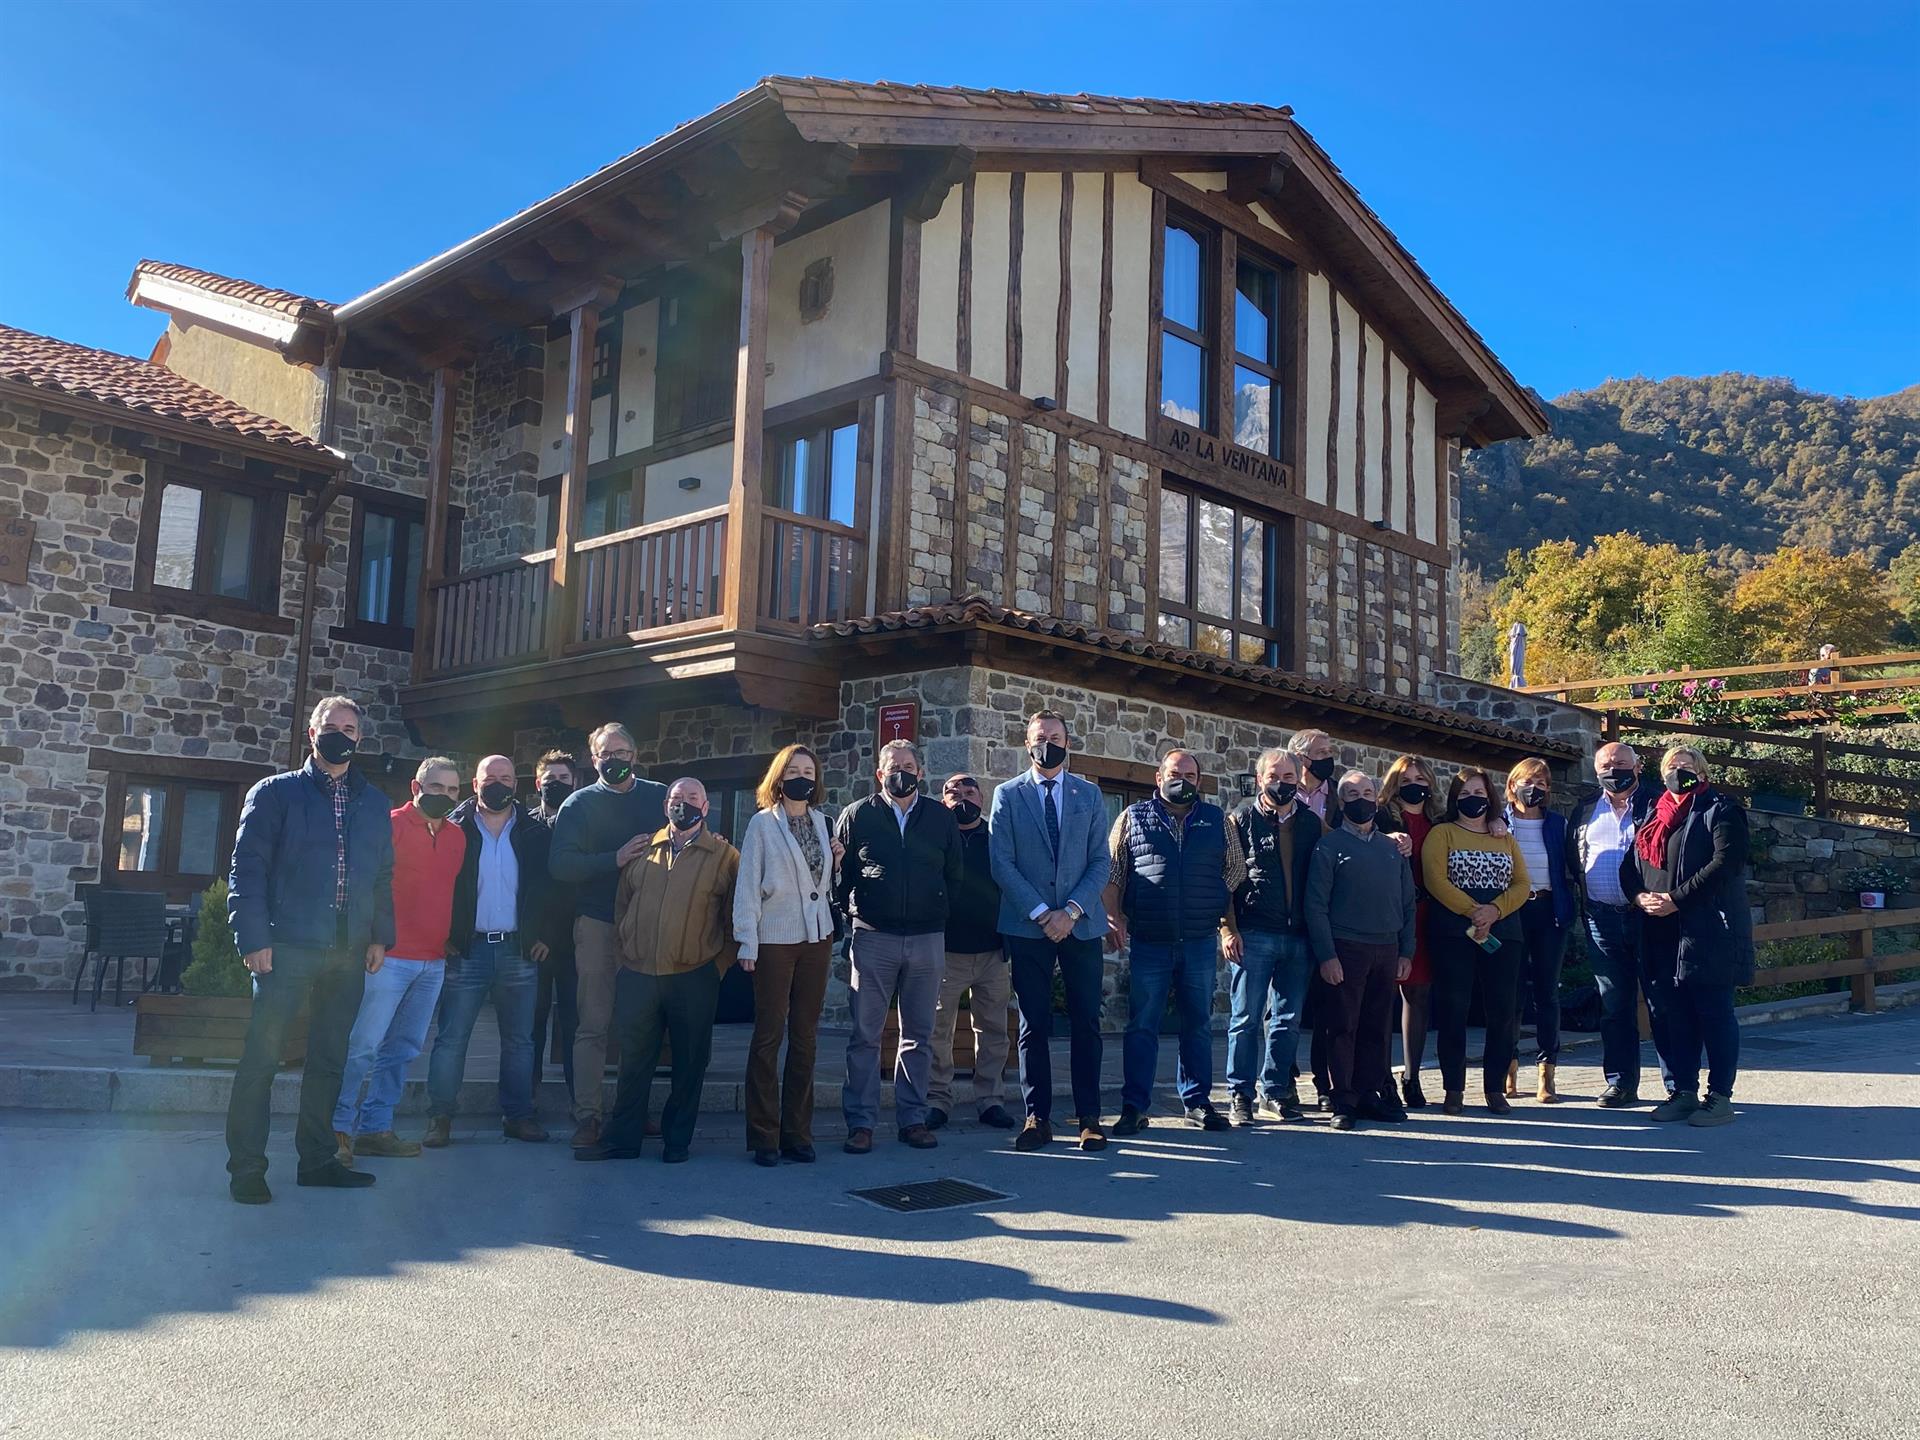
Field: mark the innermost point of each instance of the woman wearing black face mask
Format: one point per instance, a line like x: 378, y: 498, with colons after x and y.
x: 1408, y: 807
x: 784, y: 921
x: 1478, y: 882
x: 1546, y: 917
x: 1690, y: 876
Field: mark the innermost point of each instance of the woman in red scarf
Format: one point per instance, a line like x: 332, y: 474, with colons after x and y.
x: 1690, y: 856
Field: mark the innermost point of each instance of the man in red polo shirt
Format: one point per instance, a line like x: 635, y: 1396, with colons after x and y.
x: 402, y: 992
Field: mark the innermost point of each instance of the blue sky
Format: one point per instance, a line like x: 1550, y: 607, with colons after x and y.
x: 1603, y: 189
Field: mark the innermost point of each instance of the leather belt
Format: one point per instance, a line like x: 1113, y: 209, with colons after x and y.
x: 499, y: 937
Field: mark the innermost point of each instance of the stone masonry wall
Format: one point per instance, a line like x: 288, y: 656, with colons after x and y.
x: 497, y: 481
x: 1518, y: 711
x: 78, y: 672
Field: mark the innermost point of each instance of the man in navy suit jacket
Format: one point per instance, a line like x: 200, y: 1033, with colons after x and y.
x: 1048, y: 842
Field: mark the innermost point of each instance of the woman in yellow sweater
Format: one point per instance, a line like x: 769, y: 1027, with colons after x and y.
x: 1478, y: 883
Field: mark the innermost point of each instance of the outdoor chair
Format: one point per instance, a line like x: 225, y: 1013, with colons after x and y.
x: 121, y: 925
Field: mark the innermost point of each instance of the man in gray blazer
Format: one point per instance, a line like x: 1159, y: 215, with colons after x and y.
x: 1048, y: 842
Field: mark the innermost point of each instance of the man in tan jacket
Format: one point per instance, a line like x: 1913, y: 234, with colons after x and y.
x: 673, y: 914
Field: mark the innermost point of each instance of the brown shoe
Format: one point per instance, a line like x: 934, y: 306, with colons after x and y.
x: 859, y: 1142
x: 1513, y: 1077
x: 525, y: 1128
x: 439, y: 1133
x: 919, y: 1137
x: 1036, y: 1134
x: 586, y: 1133
x: 1092, y: 1137
x: 1455, y: 1103
x: 1546, y: 1094
x: 386, y: 1143
x: 1497, y: 1103
x: 343, y: 1148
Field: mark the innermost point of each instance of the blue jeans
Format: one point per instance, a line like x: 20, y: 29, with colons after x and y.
x: 1274, y: 962
x: 1156, y: 969
x: 395, y: 1013
x: 1615, y: 952
x: 488, y: 971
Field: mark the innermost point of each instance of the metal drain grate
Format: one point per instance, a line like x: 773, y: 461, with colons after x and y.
x: 926, y: 1195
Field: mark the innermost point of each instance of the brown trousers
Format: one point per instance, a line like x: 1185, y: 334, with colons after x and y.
x: 596, y: 950
x: 789, y: 989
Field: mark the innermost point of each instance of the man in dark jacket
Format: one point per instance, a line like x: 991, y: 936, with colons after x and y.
x: 975, y: 965
x: 1270, y: 958
x: 1600, y: 835
x: 310, y: 899
x: 556, y: 998
x: 1176, y: 865
x: 902, y: 861
x: 601, y: 827
x: 503, y: 922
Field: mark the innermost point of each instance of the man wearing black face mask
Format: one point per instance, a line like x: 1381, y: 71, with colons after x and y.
x: 1176, y: 865
x: 601, y: 828
x: 1602, y: 828
x: 310, y: 899
x: 555, y: 994
x: 1313, y: 757
x: 974, y: 965
x: 902, y: 864
x: 397, y: 1009
x: 502, y: 931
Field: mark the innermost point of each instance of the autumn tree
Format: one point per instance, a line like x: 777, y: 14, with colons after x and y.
x: 1800, y: 598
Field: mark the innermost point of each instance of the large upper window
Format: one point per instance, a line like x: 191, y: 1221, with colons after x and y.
x: 1219, y: 578
x: 1187, y: 326
x: 699, y: 348
x: 383, y: 567
x: 210, y: 542
x: 1256, y: 357
x: 813, y: 471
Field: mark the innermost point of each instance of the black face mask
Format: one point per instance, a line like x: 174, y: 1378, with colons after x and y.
x: 965, y: 811
x: 798, y: 787
x: 1415, y: 796
x: 334, y: 747
x: 1047, y: 754
x: 1681, y: 781
x: 434, y: 807
x: 554, y: 793
x: 1532, y: 796
x: 1179, y: 791
x: 1359, y: 812
x: 1474, y: 806
x: 496, y: 795
x: 1322, y: 769
x: 683, y: 815
x: 901, y: 784
x: 1619, y: 781
x: 1281, y: 792
x: 615, y: 771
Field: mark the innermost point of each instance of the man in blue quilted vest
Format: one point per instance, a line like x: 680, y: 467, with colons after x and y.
x: 1176, y: 864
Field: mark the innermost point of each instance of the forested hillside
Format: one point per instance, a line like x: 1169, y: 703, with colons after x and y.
x: 1733, y: 465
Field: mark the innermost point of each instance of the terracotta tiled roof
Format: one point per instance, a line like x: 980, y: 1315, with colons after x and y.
x: 953, y: 97
x: 136, y: 386
x: 285, y: 302
x: 976, y: 610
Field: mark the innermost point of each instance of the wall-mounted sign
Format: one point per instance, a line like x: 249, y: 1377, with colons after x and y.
x: 16, y: 548
x: 1205, y: 449
x: 898, y: 720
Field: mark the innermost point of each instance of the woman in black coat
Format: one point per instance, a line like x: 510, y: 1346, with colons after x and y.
x: 1689, y: 869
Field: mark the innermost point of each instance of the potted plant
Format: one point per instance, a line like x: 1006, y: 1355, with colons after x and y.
x: 1873, y: 884
x: 1778, y: 788
x: 209, y: 1021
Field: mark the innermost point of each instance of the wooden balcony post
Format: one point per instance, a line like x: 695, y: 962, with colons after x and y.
x: 583, y: 312
x: 749, y: 433
x: 433, y: 545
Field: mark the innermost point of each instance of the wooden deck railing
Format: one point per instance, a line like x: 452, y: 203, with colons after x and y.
x: 1793, y: 677
x: 490, y: 618
x: 652, y: 577
x: 811, y: 570
x: 1860, y: 964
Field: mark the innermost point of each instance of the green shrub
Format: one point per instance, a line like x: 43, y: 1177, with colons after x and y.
x: 217, y: 968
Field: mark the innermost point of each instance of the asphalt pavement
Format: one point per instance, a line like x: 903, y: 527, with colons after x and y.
x: 1564, y: 1271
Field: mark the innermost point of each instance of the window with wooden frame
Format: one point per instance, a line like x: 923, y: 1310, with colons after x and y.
x: 211, y: 548
x: 1188, y: 323
x: 169, y: 821
x: 1221, y: 568
x: 608, y: 506
x: 1256, y: 355
x: 699, y: 349
x: 812, y: 468
x: 383, y: 568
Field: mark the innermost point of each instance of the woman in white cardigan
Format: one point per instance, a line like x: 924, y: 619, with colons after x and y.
x: 783, y: 919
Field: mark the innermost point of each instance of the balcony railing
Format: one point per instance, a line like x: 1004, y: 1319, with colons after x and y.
x: 649, y: 582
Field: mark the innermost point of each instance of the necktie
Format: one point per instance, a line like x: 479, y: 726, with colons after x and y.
x: 1053, y: 818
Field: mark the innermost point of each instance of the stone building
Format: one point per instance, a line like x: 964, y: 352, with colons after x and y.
x: 858, y: 409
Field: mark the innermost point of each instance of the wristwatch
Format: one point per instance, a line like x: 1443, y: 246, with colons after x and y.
x: 1072, y: 907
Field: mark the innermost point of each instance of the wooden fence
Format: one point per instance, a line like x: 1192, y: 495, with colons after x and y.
x: 1794, y: 677
x: 1825, y: 766
x: 1860, y: 964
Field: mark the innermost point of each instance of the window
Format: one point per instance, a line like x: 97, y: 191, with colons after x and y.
x: 168, y: 833
x: 384, y: 565
x: 1186, y: 326
x: 1219, y: 578
x: 210, y: 549
x: 1256, y: 357
x: 813, y: 471
x: 699, y: 349
x: 608, y: 507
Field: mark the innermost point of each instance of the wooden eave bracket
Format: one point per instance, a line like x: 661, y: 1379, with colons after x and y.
x: 927, y: 186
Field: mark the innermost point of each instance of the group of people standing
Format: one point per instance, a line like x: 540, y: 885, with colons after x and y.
x: 613, y: 907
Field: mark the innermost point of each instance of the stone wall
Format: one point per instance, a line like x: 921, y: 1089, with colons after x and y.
x: 1547, y: 718
x: 497, y: 475
x: 1797, y: 863
x: 78, y: 672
